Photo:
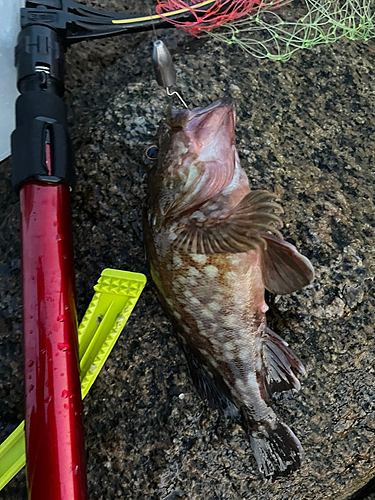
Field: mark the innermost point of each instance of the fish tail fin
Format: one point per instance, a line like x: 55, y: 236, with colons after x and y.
x: 276, y: 449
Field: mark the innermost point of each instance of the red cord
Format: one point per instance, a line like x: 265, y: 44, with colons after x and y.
x: 220, y: 12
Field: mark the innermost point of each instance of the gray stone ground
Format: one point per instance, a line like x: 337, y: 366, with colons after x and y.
x: 306, y: 130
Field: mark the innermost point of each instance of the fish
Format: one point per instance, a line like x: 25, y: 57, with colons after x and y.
x: 213, y: 247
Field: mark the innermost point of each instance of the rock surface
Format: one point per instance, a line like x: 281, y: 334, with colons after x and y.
x: 306, y: 130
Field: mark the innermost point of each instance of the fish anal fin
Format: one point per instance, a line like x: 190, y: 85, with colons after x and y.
x: 237, y: 231
x: 284, y: 269
x: 278, y: 364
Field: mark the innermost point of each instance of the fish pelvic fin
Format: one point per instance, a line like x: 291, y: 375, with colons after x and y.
x: 238, y: 231
x: 284, y: 269
x: 278, y: 363
x: 277, y: 450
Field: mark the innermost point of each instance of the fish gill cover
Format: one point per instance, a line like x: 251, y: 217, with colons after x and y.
x: 264, y: 32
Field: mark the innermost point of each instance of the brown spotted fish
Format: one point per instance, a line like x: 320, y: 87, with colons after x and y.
x: 213, y: 247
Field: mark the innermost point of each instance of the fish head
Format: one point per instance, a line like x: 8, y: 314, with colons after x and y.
x: 211, y: 130
x: 197, y: 156
x: 203, y: 134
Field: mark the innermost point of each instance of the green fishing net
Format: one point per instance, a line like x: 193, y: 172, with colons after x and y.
x: 277, y: 34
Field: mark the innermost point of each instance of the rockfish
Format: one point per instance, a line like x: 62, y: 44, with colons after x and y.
x: 214, y: 246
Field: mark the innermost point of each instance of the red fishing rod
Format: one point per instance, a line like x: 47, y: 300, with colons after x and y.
x: 42, y: 169
x: 43, y: 174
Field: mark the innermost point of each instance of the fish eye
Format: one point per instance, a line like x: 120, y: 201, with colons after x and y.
x: 152, y: 153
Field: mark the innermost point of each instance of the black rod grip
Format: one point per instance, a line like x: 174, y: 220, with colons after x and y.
x: 41, y: 146
x: 37, y: 112
x: 40, y: 48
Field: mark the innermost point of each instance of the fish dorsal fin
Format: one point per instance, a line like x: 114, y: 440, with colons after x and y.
x: 278, y: 363
x: 284, y: 268
x: 210, y: 388
x: 237, y: 231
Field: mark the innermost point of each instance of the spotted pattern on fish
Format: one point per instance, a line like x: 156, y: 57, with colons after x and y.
x: 213, y: 247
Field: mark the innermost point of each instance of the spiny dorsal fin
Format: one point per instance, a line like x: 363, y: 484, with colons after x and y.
x: 237, y: 232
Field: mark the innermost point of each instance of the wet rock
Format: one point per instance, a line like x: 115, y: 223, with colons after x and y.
x: 306, y: 134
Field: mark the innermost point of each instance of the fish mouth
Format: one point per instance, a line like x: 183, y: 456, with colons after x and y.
x: 215, y: 115
x: 221, y: 113
x: 224, y: 104
x: 212, y: 126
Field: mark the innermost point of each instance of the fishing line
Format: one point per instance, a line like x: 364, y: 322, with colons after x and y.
x: 205, y: 4
x: 153, y: 23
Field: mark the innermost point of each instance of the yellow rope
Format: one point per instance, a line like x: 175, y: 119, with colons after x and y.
x: 167, y: 14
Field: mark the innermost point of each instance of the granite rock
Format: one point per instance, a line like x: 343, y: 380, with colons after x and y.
x: 305, y: 130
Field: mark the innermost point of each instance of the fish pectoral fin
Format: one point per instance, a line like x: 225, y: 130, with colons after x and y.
x: 278, y: 363
x: 237, y: 232
x: 284, y: 269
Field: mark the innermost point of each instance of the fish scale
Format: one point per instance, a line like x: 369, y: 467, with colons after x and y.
x: 214, y: 246
x: 236, y: 316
